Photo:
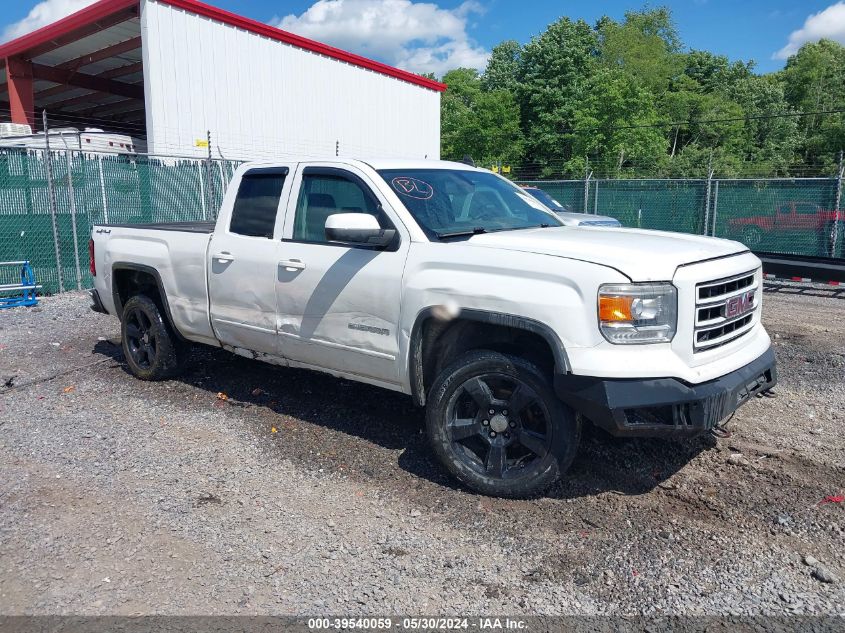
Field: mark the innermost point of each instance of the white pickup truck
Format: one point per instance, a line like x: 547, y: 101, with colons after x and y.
x: 452, y: 285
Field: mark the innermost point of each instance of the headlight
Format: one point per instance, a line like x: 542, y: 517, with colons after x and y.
x: 638, y: 313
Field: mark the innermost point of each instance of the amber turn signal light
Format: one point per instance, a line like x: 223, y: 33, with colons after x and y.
x: 615, y: 309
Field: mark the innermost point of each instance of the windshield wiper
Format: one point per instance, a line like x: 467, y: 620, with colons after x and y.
x: 478, y: 230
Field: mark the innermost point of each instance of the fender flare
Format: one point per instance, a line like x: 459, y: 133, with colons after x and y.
x: 149, y: 270
x: 415, y: 369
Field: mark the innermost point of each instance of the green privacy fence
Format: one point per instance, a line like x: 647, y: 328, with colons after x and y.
x: 48, y: 203
x: 795, y: 216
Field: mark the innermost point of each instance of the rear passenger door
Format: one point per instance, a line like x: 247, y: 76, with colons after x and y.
x: 242, y: 262
x: 338, y: 304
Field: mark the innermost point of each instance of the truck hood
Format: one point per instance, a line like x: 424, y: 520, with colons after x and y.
x: 639, y: 254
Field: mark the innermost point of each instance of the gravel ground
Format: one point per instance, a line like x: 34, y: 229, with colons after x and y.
x: 301, y: 494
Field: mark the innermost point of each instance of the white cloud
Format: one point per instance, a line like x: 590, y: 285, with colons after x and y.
x: 826, y: 24
x: 42, y: 14
x: 417, y: 36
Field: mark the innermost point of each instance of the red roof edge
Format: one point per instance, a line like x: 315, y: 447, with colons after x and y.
x: 253, y: 26
x: 83, y: 17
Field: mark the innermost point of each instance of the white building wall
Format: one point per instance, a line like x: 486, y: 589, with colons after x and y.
x: 262, y: 98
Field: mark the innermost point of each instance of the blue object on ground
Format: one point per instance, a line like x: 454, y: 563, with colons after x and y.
x: 22, y: 294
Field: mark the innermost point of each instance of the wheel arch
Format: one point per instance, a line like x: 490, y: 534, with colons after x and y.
x: 128, y: 277
x: 428, y: 330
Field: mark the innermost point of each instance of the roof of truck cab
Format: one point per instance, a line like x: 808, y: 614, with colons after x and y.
x: 374, y: 163
x: 394, y: 163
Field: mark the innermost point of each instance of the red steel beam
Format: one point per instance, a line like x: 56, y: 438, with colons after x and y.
x: 129, y: 69
x: 20, y: 73
x: 88, y: 82
x: 88, y: 21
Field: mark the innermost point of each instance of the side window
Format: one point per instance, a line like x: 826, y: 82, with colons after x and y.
x: 257, y: 203
x: 322, y: 195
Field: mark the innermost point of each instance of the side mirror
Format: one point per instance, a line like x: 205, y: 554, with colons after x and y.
x: 359, y: 229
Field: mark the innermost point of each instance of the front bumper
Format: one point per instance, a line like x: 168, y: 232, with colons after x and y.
x: 659, y: 407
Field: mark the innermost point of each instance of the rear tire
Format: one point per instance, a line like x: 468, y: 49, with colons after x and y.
x: 151, y: 348
x: 517, y: 451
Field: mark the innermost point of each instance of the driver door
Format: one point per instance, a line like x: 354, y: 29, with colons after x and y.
x: 339, y: 305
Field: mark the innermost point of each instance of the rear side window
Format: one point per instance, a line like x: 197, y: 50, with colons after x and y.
x: 257, y: 203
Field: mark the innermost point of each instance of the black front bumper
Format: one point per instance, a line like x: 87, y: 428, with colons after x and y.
x: 658, y: 407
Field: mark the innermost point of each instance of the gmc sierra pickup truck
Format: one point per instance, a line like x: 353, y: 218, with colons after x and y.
x: 454, y: 286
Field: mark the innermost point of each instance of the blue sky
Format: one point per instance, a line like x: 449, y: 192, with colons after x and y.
x: 439, y: 34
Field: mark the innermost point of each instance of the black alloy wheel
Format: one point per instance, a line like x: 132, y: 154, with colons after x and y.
x: 152, y: 350
x: 496, y: 424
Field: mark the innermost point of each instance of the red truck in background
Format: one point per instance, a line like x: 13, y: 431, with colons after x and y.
x: 791, y: 219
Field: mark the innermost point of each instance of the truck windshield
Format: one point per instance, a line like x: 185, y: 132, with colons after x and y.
x: 455, y: 203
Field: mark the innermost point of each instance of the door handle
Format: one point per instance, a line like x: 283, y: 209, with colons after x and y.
x: 224, y: 257
x: 292, y: 264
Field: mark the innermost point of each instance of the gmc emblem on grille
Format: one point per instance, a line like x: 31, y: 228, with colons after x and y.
x: 739, y: 305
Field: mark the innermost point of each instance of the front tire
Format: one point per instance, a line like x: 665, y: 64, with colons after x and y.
x: 151, y: 348
x: 495, y: 424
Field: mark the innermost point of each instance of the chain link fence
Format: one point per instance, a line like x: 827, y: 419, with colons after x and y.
x: 50, y: 200
x: 796, y: 216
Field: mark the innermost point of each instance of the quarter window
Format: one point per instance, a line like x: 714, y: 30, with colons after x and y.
x: 257, y: 204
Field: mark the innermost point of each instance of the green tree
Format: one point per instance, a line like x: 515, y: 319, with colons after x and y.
x: 616, y: 121
x: 645, y: 46
x: 769, y: 144
x: 715, y: 72
x: 554, y: 69
x: 481, y: 124
x: 814, y: 81
x: 502, y: 71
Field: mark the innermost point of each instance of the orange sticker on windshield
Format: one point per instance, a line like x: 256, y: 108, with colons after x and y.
x: 413, y: 187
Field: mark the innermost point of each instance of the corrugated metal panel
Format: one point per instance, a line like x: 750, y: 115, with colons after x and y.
x: 263, y: 98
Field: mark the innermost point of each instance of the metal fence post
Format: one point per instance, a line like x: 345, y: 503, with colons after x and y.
x: 588, y: 175
x: 837, y: 222
x: 103, y: 191
x: 596, y: 199
x: 73, y: 216
x: 209, y: 180
x: 51, y: 193
x: 715, y: 207
x: 707, y: 199
x: 203, y: 201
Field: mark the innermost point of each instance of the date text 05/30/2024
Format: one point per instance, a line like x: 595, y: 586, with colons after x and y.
x: 418, y: 624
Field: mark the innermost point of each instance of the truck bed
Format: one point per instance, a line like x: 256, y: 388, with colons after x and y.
x: 186, y: 227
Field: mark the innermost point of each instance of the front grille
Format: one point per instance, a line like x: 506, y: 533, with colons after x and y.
x: 724, y: 310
